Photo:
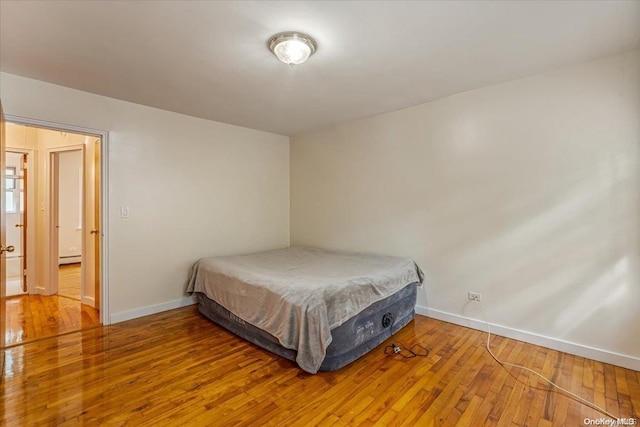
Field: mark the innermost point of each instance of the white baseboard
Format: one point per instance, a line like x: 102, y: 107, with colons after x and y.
x: 151, y: 309
x: 605, y: 356
x: 89, y: 301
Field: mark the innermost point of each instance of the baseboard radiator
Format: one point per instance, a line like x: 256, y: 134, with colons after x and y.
x: 71, y: 259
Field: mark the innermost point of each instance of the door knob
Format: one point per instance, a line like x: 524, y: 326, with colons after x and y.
x: 4, y: 249
x: 20, y: 225
x: 94, y: 232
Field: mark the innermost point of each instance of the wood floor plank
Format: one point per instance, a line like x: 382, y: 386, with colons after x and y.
x: 178, y: 368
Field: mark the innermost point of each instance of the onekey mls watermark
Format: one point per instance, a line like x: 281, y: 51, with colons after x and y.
x: 610, y: 422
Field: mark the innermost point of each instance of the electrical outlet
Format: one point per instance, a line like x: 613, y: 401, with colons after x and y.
x: 474, y: 296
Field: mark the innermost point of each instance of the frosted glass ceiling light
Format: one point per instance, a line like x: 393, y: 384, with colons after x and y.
x: 292, y: 48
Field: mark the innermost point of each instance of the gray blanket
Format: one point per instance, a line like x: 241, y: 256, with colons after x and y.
x: 299, y: 294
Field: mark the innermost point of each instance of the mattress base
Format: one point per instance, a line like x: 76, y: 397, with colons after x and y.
x: 351, y: 340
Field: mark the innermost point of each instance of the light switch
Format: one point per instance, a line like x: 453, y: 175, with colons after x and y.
x: 124, y: 211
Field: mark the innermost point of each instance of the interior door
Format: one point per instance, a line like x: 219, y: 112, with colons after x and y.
x: 3, y: 243
x: 96, y: 231
x: 15, y: 224
x: 23, y: 210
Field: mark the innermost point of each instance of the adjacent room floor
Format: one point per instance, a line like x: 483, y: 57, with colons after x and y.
x: 69, y: 281
x: 178, y: 368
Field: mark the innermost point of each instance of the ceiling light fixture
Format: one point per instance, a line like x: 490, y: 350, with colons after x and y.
x: 292, y: 48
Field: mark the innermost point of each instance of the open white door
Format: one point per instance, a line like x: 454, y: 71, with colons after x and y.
x: 96, y: 230
x: 3, y: 244
x: 15, y: 225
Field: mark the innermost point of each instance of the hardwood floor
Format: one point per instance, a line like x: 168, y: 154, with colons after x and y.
x: 178, y: 368
x: 32, y: 317
x: 69, y: 281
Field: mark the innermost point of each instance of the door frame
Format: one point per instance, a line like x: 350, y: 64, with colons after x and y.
x: 104, y: 200
x: 30, y: 219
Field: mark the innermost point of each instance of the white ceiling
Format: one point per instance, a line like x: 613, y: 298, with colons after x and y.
x: 209, y: 59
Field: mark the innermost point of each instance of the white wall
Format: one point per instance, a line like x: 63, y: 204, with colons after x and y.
x: 194, y: 188
x: 527, y: 192
x: 69, y: 204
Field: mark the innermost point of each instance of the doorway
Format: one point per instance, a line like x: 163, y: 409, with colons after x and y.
x: 66, y: 209
x: 60, y: 290
x: 67, y: 200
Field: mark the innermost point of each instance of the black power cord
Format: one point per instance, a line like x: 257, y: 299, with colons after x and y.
x: 408, y: 353
x: 402, y: 350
